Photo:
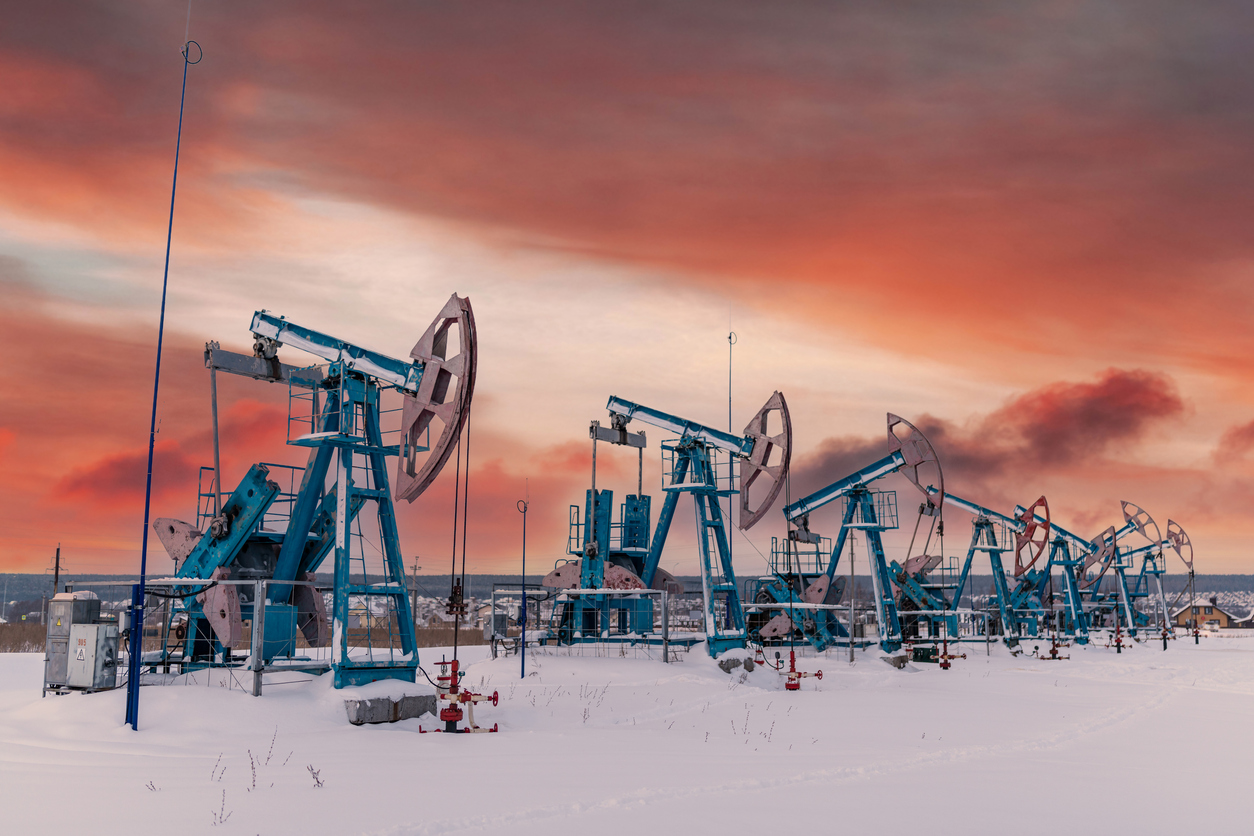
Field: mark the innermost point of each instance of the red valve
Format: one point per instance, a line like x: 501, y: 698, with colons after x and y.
x: 495, y: 698
x: 818, y: 674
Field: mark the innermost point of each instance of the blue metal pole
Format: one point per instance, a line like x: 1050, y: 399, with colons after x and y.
x: 132, y: 684
x: 522, y: 650
x: 136, y: 657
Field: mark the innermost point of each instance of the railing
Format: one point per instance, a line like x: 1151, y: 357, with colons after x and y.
x: 276, y: 516
x: 792, y: 557
x: 885, y: 505
x: 575, y: 537
x: 717, y: 468
x: 279, y: 514
x: 304, y: 407
x: 629, y: 617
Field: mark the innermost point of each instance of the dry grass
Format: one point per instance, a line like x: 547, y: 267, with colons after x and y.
x: 29, y: 638
x: 21, y: 638
x: 443, y: 636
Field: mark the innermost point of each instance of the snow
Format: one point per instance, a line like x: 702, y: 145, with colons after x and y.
x: 614, y: 745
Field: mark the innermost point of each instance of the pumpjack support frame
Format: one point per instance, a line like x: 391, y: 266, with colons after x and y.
x: 346, y: 472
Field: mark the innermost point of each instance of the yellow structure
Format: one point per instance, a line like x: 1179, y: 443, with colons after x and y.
x: 1203, y: 614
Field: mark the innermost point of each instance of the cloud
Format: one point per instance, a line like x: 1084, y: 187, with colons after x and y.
x: 1236, y: 442
x: 1011, y: 198
x: 1062, y: 427
x: 119, y: 480
x: 1061, y: 424
x: 903, y: 169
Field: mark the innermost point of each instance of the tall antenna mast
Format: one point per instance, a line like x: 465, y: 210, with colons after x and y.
x: 731, y: 503
x: 132, y: 697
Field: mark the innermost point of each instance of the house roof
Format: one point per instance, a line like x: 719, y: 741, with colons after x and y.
x: 1203, y: 602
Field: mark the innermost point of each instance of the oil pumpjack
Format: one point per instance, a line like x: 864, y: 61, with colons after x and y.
x: 260, y: 533
x: 809, y: 593
x: 709, y: 464
x: 1081, y: 562
x: 1145, y: 583
x: 1030, y: 538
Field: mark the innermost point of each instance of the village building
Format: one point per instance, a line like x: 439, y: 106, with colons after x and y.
x: 1204, y: 614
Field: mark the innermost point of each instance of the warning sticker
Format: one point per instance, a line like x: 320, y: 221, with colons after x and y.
x: 82, y: 655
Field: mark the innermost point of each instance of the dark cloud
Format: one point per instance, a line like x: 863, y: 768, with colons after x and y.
x: 1057, y: 428
x: 1061, y: 424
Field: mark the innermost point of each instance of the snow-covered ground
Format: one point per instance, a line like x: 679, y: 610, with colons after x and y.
x: 1143, y: 742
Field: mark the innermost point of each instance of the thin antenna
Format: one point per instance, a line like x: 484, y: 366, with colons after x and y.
x: 731, y: 503
x: 132, y: 712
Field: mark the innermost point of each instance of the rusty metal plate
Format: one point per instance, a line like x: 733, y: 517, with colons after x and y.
x: 448, y: 384
x: 1181, y: 543
x: 178, y: 537
x: 1103, y: 555
x: 221, y: 608
x: 920, y: 456
x: 1034, y: 537
x: 1142, y: 522
x: 757, y: 464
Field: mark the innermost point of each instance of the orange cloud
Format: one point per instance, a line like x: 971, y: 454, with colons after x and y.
x: 1236, y: 442
x: 1026, y: 196
x: 1051, y: 187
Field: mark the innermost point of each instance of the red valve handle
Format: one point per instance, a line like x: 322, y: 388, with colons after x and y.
x: 495, y: 698
x: 818, y: 674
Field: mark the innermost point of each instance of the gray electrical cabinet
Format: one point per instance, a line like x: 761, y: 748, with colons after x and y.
x: 93, y: 656
x: 66, y: 612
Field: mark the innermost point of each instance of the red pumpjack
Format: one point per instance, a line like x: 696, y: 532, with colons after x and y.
x: 448, y: 690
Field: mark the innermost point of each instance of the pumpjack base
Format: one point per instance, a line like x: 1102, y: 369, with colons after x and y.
x: 717, y: 647
x: 363, y: 675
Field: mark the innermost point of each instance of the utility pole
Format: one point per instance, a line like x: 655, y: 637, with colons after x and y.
x: 56, y: 571
x: 413, y: 594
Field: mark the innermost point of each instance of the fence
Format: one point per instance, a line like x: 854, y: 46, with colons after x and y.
x: 615, y: 622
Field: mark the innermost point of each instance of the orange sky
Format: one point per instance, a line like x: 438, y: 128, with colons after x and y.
x: 1023, y: 227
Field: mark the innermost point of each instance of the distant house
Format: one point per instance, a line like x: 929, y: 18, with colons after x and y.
x: 1206, y: 613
